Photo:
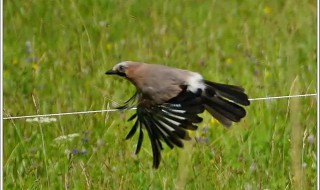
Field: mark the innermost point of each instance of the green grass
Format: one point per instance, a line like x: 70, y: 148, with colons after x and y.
x: 268, y: 47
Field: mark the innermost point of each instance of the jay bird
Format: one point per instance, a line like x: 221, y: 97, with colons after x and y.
x: 168, y: 102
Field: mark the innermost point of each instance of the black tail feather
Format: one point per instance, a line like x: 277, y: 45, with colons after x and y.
x: 222, y: 119
x: 224, y: 102
x: 231, y: 110
x: 234, y: 93
x: 227, y: 109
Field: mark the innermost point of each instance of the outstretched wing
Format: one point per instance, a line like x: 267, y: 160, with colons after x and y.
x: 132, y: 102
x: 167, y: 122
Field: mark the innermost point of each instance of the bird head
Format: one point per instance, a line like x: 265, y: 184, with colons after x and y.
x: 121, y: 69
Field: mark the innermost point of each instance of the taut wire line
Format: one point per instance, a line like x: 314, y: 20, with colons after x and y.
x: 113, y: 110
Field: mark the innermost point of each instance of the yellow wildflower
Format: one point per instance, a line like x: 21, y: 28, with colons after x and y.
x: 35, y: 66
x: 267, y: 10
x: 213, y: 121
x: 108, y: 46
x: 229, y: 61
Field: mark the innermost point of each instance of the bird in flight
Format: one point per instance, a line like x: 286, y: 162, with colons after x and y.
x: 168, y: 101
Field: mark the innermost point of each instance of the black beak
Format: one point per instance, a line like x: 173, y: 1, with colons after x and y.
x: 111, y: 72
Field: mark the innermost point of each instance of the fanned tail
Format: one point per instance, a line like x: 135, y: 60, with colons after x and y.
x: 224, y: 102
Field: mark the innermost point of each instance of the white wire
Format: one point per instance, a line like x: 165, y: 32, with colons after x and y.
x: 282, y: 97
x: 113, y: 110
x: 61, y: 114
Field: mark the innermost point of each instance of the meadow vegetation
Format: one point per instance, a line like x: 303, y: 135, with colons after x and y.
x: 55, y: 57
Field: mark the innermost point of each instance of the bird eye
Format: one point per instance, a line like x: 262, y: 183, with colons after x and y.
x: 121, y: 68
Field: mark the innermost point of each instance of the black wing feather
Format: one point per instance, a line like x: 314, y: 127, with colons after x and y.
x: 140, y: 139
x: 133, y: 130
x: 170, y: 121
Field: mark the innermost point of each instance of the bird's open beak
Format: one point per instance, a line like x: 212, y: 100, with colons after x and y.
x: 111, y: 72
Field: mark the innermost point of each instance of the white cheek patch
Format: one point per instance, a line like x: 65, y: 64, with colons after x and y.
x: 195, y: 82
x: 124, y: 63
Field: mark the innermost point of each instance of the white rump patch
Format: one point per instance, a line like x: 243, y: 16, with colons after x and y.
x: 195, y: 82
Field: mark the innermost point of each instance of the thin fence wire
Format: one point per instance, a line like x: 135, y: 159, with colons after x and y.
x: 114, y: 110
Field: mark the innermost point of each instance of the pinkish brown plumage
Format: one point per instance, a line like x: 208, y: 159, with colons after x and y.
x: 168, y: 102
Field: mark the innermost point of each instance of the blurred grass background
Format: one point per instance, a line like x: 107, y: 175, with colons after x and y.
x: 55, y: 56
